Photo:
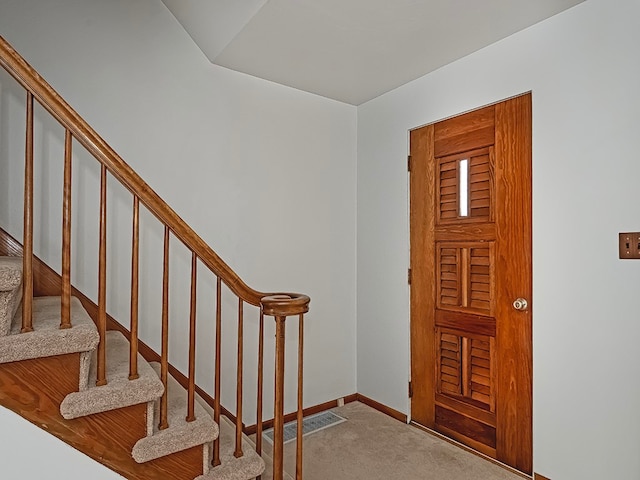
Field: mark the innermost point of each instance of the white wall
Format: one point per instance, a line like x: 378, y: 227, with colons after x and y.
x: 265, y: 154
x: 583, y: 68
x: 264, y: 173
x: 55, y: 459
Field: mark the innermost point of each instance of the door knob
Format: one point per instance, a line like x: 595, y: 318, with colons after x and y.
x: 520, y: 304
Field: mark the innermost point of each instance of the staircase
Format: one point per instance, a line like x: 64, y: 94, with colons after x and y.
x: 70, y: 368
x: 48, y: 340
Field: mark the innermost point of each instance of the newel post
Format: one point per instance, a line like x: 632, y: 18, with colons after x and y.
x: 281, y: 306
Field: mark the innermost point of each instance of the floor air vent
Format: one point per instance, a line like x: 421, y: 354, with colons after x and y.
x: 310, y: 424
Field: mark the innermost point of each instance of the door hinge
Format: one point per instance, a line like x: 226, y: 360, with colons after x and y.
x: 410, y: 389
x: 409, y: 163
x: 409, y: 276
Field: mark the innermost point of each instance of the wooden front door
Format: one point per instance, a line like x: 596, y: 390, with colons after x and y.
x: 471, y: 342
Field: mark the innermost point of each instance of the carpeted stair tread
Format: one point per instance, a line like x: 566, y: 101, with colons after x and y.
x: 10, y: 291
x: 180, y: 435
x: 119, y: 391
x: 47, y: 339
x: 249, y: 466
x: 10, y: 273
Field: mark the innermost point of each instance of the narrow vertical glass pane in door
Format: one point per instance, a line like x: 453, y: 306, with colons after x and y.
x: 464, y: 188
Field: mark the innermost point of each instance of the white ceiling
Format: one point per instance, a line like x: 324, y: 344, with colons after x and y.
x: 351, y: 50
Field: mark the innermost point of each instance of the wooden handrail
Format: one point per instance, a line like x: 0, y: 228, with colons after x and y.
x: 285, y: 304
x: 24, y: 74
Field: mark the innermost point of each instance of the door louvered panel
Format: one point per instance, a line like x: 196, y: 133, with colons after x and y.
x: 464, y: 276
x: 478, y: 187
x: 450, y: 364
x: 480, y: 366
x: 480, y: 278
x: 465, y: 366
x: 448, y: 190
x: 449, y: 276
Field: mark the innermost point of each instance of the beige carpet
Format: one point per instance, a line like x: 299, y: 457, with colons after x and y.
x: 47, y: 339
x: 373, y: 446
x: 248, y: 466
x: 119, y: 391
x: 181, y: 434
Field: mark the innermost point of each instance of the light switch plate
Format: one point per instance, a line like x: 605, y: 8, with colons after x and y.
x: 629, y: 245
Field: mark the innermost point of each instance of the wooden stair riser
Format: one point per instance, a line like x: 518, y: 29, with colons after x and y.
x: 35, y: 388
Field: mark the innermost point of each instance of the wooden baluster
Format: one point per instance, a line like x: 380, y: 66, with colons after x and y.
x: 65, y: 305
x: 192, y: 341
x: 260, y: 384
x: 278, y: 414
x: 164, y: 360
x: 216, y: 405
x: 135, y: 268
x: 102, y: 282
x: 238, y: 451
x: 27, y: 253
x: 300, y: 404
